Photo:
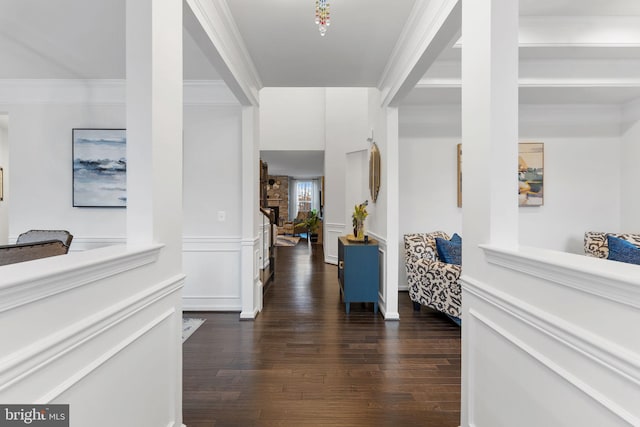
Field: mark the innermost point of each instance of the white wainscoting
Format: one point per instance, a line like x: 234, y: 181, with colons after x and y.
x: 552, y: 341
x: 331, y: 233
x: 212, y: 266
x: 74, y: 326
x: 211, y: 263
x: 85, y: 243
x: 382, y: 257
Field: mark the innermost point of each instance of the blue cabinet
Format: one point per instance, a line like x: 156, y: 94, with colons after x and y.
x: 358, y: 271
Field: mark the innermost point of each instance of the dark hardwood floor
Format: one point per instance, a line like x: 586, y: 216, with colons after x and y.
x: 304, y: 362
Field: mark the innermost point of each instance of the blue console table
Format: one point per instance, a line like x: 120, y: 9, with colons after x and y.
x: 358, y: 271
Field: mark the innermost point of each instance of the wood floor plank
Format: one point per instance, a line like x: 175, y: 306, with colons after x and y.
x: 305, y: 362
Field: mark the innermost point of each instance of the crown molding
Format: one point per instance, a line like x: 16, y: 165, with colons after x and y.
x: 539, y: 82
x: 432, y: 26
x: 213, y: 28
x: 106, y: 92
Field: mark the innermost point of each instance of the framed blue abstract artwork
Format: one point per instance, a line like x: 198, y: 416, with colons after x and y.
x: 99, y: 168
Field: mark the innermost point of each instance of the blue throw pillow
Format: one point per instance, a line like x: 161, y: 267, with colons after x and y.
x: 623, y: 251
x: 449, y: 251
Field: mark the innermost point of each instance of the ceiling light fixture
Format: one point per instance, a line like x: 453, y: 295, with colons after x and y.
x: 323, y: 18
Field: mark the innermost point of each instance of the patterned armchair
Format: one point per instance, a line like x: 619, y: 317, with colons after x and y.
x: 296, y: 226
x: 431, y: 282
x: 596, y: 245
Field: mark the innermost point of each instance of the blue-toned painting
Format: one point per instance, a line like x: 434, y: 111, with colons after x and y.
x: 99, y: 168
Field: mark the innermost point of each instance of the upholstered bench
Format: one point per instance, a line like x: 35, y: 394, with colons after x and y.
x: 11, y: 254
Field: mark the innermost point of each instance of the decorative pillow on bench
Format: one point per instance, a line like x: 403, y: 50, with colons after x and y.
x: 450, y: 251
x: 623, y: 251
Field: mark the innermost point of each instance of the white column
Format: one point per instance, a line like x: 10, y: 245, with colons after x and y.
x: 489, y: 127
x: 154, y: 145
x: 393, y: 212
x: 251, y: 287
x: 154, y: 126
x: 489, y: 141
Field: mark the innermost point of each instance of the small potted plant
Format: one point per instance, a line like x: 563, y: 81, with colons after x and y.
x: 359, y: 215
x: 312, y: 223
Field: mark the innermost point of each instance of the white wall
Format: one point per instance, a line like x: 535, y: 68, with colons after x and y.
x: 377, y: 221
x: 41, y: 174
x: 630, y: 155
x: 582, y: 182
x: 211, y: 175
x: 356, y: 184
x: 428, y: 182
x: 41, y: 177
x: 4, y: 164
x: 346, y: 131
x: 331, y: 119
x: 212, y: 187
x: 580, y: 173
x: 292, y: 118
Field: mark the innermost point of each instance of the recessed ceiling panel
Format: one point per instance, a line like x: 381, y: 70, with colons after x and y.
x: 287, y: 49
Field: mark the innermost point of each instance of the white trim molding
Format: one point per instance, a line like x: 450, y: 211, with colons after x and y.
x: 212, y: 303
x: 432, y: 26
x: 596, y: 396
x: 103, y: 92
x: 214, y: 30
x: 211, y: 244
x: 22, y: 284
x: 618, y: 282
x: 332, y: 230
x: 212, y: 265
x: 607, y: 354
x: 379, y: 238
x: 589, y: 362
x: 38, y: 355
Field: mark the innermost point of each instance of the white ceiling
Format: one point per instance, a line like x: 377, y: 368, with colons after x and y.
x: 86, y: 39
x: 297, y: 164
x: 287, y: 49
x: 74, y: 39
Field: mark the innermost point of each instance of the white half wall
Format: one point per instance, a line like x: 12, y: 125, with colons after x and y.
x: 85, y: 321
x: 566, y: 365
